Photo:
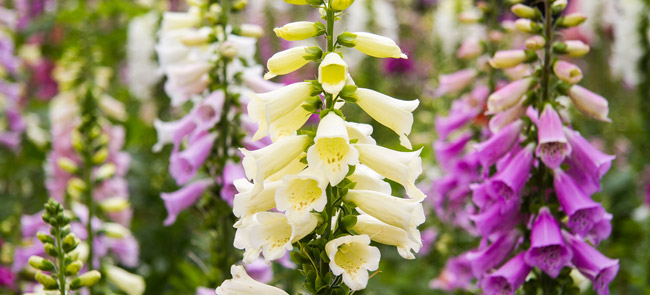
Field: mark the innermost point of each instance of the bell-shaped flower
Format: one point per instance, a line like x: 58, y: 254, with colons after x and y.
x: 184, y: 165
x: 352, y: 257
x: 448, y: 151
x: 457, y: 274
x: 507, y: 183
x: 248, y: 202
x: 406, y: 214
x: 583, y: 212
x: 586, y: 156
x: 360, y: 132
x: 496, y: 217
x: 332, y: 73
x: 592, y: 264
x: 455, y: 82
x: 490, y: 256
x: 368, y: 179
x: 274, y: 234
x: 242, y: 284
x: 507, y: 58
x: 262, y: 163
x: 567, y: 72
x: 208, y: 112
x: 401, y: 167
x: 393, y: 113
x: 299, y: 194
x: 185, y: 80
x: 493, y: 149
x: 183, y: 198
x: 332, y: 153
x: 547, y: 250
x: 388, y: 235
x: 267, y: 108
x: 287, y: 61
x: 508, y: 278
x: 377, y: 46
x: 508, y: 96
x: 589, y: 103
x: 172, y: 132
x: 131, y: 284
x: 502, y: 119
x: 297, y: 31
x: 289, y: 123
x: 552, y: 145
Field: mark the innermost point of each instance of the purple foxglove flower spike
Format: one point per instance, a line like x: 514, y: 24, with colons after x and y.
x: 547, y: 250
x: 231, y: 172
x: 491, y: 256
x: 507, y: 183
x: 183, y: 198
x: 592, y: 264
x: 552, y: 146
x: 491, y: 150
x: 184, y: 165
x: 208, y: 112
x: 586, y: 156
x: 583, y: 212
x: 508, y: 278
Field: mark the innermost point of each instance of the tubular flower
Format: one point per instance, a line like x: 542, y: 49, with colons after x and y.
x: 242, y: 284
x: 300, y: 194
x: 508, y: 278
x: 331, y: 153
x: 592, y: 264
x: 352, y: 257
x: 377, y: 46
x: 507, y: 59
x: 388, y: 235
x: 552, y: 145
x: 583, y: 212
x: 547, y: 249
x: 274, y: 105
x: 287, y: 61
x: 589, y: 103
x: 297, y: 31
x: 333, y: 73
x: 508, y: 96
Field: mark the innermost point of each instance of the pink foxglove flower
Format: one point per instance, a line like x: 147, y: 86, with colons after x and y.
x: 589, y: 103
x: 552, y: 145
x: 508, y: 278
x: 592, y: 264
x: 183, y: 198
x: 547, y: 249
x: 485, y: 259
x: 583, y: 212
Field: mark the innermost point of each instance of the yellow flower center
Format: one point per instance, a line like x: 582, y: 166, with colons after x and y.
x: 333, y: 74
x: 303, y: 193
x: 332, y: 151
x: 350, y: 258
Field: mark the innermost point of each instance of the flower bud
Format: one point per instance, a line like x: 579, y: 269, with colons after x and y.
x: 116, y: 230
x: 572, y: 20
x: 576, y: 48
x: 239, y: 5
x: 296, y: 2
x: 50, y: 250
x: 196, y: 38
x: 527, y: 26
x: 589, y: 103
x: 39, y: 263
x: 297, y: 31
x: 287, y: 61
x: 47, y: 281
x: 341, y: 4
x: 73, y: 268
x: 45, y: 238
x: 228, y: 49
x: 535, y: 42
x: 524, y: 11
x: 67, y: 165
x: 504, y: 59
x: 375, y: 45
x: 76, y: 188
x: 470, y: 16
x: 251, y: 30
x: 86, y: 280
x: 567, y: 72
x: 70, y: 242
x: 77, y: 141
x: 114, y: 204
x: 104, y: 172
x: 558, y: 6
x: 100, y: 156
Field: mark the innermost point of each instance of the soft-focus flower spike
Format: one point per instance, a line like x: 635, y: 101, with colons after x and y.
x: 262, y: 163
x: 360, y: 132
x: 375, y: 45
x: 567, y: 72
x: 285, y: 62
x: 592, y: 264
x: 507, y: 183
x: 547, y: 249
x: 508, y: 96
x: 508, y: 278
x: 454, y: 82
x: 130, y: 283
x: 332, y: 153
x: 352, y: 257
x: 184, y: 165
x: 406, y: 214
x: 589, y: 103
x: 552, y: 145
x: 485, y: 259
x: 491, y: 150
x: 300, y: 194
x: 248, y: 202
x: 242, y: 284
x: 332, y: 73
x: 274, y: 233
x: 401, y: 167
x: 172, y: 132
x: 393, y: 113
x: 583, y: 212
x: 368, y: 179
x: 507, y: 59
x: 388, y: 235
x: 183, y: 198
x: 297, y: 31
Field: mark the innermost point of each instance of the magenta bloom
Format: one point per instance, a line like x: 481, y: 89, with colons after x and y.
x: 547, y: 249
x: 592, y: 264
x: 491, y: 256
x: 497, y: 217
x: 493, y: 149
x: 586, y: 156
x: 172, y: 132
x: 507, y: 183
x: 184, y: 165
x: 231, y: 172
x: 583, y: 212
x: 508, y: 278
x: 455, y: 120
x: 259, y: 271
x: 457, y: 274
x: 454, y: 82
x: 552, y: 146
x: 601, y: 230
x: 208, y: 112
x: 446, y: 152
x: 7, y: 277
x: 183, y: 198
x: 429, y: 236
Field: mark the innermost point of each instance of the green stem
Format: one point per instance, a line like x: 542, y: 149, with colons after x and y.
x: 548, y: 35
x: 61, y: 260
x: 330, y: 27
x: 492, y: 24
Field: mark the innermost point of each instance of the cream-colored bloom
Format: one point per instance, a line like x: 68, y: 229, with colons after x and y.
x: 300, y: 194
x: 179, y: 20
x: 332, y: 153
x: 262, y: 163
x: 406, y: 214
x: 294, y: 167
x: 332, y: 73
x: 279, y: 102
x: 289, y: 123
x: 242, y: 284
x: 248, y: 202
x: 361, y: 132
x: 505, y: 59
x: 393, y: 113
x: 377, y: 46
x: 401, y: 167
x: 388, y: 235
x: 352, y: 257
x: 284, y: 125
x: 368, y: 179
x: 130, y: 283
x: 297, y: 31
x: 287, y: 61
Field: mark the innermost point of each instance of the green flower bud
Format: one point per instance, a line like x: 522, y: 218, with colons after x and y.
x: 85, y: 280
x: 341, y: 4
x: 571, y: 20
x: 100, y: 156
x: 558, y: 6
x: 40, y: 263
x: 70, y: 242
x: 524, y: 11
x: 50, y: 250
x: 67, y: 165
x: 105, y: 172
x: 73, y: 268
x: 45, y: 238
x: 47, y: 281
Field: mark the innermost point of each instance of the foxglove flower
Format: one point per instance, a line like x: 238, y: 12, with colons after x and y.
x: 507, y: 59
x: 589, y: 103
x: 457, y: 274
x: 592, y: 264
x: 333, y: 73
x: 487, y: 258
x: 184, y: 165
x: 377, y: 46
x: 586, y: 156
x: 583, y: 212
x: 231, y: 172
x: 489, y: 151
x: 552, y: 145
x: 300, y: 194
x: 567, y: 72
x: 287, y: 61
x: 507, y: 183
x: 172, y: 132
x: 455, y: 82
x: 248, y: 201
x: 368, y: 179
x: 388, y: 235
x: 332, y: 153
x: 184, y: 198
x: 208, y: 112
x: 352, y: 257
x: 508, y: 96
x: 242, y: 284
x: 508, y: 278
x: 547, y: 249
